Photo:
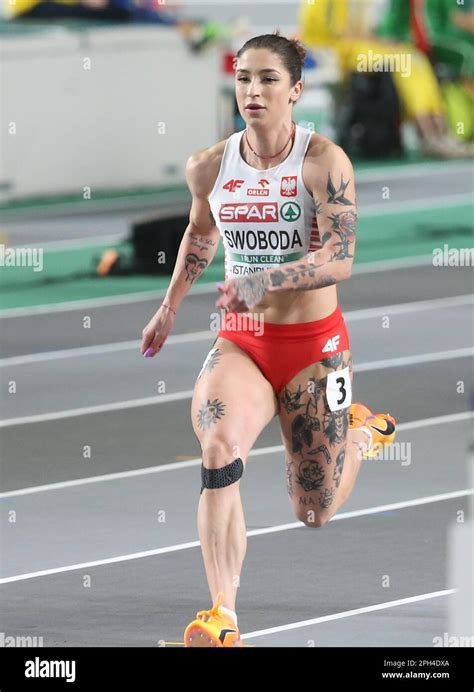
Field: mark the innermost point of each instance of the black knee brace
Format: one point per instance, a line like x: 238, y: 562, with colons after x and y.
x: 220, y: 478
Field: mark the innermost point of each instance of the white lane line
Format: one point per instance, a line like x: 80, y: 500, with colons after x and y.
x: 406, y: 308
x: 178, y: 465
x: 125, y: 204
x: 119, y: 475
x: 199, y: 289
x: 118, y: 238
x: 107, y: 301
x: 415, y: 360
x: 350, y: 316
x: 392, y: 264
x: 410, y: 205
x: 100, y: 349
x: 255, y: 532
x: 348, y: 613
x: 418, y: 358
x: 99, y: 408
x: 415, y: 170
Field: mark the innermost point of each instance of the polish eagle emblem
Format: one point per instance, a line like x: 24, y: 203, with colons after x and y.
x: 288, y: 186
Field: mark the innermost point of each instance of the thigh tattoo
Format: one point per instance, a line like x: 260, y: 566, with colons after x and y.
x: 326, y: 497
x: 310, y: 475
x: 336, y: 476
x: 317, y: 434
x: 210, y: 413
x: 336, y: 425
x: 211, y: 360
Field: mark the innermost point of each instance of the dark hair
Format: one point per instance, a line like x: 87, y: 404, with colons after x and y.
x: 291, y: 51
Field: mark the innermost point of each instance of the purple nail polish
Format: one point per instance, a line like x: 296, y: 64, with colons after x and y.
x: 148, y: 352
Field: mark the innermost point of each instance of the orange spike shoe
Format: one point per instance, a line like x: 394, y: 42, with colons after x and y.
x: 381, y: 425
x: 212, y: 628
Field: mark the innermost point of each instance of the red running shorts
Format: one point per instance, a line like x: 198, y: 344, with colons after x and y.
x: 282, y: 350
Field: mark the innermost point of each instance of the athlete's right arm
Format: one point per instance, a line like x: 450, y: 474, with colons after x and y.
x: 201, y: 237
x: 196, y: 251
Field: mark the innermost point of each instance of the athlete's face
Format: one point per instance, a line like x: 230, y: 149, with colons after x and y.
x: 262, y: 79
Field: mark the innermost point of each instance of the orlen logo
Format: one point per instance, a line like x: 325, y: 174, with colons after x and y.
x: 261, y: 212
x: 233, y: 185
x: 261, y: 191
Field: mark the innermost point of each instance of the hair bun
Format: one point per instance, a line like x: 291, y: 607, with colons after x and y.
x: 296, y: 44
x: 300, y: 49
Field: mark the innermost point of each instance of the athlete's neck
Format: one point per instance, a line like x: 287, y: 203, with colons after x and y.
x: 266, y: 143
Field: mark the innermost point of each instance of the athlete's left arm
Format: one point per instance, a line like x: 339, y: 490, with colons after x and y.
x: 332, y: 181
x: 335, y: 199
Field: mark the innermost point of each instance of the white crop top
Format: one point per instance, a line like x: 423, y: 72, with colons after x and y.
x: 265, y: 217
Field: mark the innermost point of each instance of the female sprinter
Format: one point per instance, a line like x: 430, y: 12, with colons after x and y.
x: 283, y: 200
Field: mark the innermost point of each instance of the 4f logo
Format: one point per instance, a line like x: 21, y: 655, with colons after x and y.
x: 233, y: 185
x: 332, y: 344
x: 288, y: 186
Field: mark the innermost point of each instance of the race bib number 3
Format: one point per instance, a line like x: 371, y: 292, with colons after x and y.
x: 339, y: 390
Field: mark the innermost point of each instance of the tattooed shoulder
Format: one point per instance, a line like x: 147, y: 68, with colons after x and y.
x: 336, y: 195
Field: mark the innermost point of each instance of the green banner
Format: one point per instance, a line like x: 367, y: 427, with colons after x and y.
x: 265, y: 259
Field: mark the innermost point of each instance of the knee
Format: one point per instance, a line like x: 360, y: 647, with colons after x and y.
x: 219, y: 469
x: 217, y: 453
x: 313, y: 519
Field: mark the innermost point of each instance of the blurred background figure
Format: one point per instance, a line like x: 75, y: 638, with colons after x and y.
x: 440, y: 28
x: 405, y: 31
x: 452, y: 45
x: 197, y: 32
x: 92, y: 9
x: 443, y: 31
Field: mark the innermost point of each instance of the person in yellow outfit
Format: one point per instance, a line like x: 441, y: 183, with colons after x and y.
x: 345, y: 26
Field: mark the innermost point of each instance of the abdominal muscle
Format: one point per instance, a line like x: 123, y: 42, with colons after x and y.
x: 293, y: 307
